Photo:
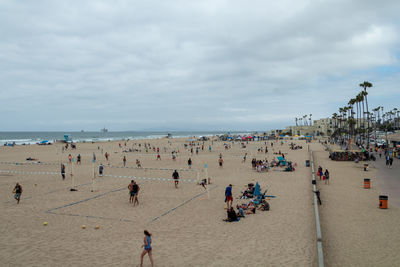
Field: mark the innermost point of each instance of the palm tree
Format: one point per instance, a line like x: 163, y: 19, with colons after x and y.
x: 395, y: 112
x: 310, y: 120
x: 296, y: 121
x: 366, y: 85
x: 351, y: 104
x: 305, y: 120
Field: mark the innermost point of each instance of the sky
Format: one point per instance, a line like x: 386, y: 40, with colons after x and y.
x: 192, y: 65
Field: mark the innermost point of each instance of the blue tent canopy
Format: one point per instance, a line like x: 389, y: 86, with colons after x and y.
x: 44, y: 142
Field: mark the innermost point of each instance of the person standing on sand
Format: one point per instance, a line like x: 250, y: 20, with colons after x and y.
x: 228, y: 196
x: 135, y: 189
x: 326, y: 177
x: 147, y: 248
x: 18, y: 192
x: 175, y: 176
x: 190, y: 163
x: 124, y: 161
x: 101, y: 168
x: 63, y: 171
x: 78, y: 159
x: 319, y: 172
x: 131, y: 193
x: 69, y: 158
x: 220, y: 161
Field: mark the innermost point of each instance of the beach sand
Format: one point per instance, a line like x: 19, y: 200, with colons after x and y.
x: 186, y: 223
x: 355, y: 232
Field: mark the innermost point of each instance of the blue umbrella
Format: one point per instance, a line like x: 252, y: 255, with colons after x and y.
x: 44, y: 142
x: 257, y: 190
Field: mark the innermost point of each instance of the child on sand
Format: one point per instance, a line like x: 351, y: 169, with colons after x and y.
x: 220, y: 161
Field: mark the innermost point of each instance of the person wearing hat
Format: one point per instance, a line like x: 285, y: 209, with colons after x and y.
x: 228, y: 196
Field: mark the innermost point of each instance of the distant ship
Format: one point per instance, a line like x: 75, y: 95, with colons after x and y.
x: 104, y: 130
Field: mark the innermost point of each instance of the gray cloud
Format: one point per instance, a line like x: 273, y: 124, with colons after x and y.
x: 198, y: 65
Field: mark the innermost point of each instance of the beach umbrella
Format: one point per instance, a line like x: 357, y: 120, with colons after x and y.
x: 44, y: 142
x: 257, y: 190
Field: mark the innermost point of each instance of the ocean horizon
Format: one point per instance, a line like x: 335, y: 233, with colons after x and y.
x: 34, y: 137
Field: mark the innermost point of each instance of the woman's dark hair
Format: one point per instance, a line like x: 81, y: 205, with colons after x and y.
x: 147, y: 233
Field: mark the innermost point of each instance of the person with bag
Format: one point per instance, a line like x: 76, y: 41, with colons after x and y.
x: 326, y: 177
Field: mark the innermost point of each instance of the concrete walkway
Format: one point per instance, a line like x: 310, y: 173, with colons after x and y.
x: 388, y: 180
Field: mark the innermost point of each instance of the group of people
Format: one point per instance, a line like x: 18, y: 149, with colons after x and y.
x: 323, y: 175
x: 244, y: 209
x: 260, y: 165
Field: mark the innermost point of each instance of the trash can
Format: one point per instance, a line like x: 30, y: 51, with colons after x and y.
x: 383, y: 202
x: 307, y: 163
x: 367, y: 183
x: 365, y: 167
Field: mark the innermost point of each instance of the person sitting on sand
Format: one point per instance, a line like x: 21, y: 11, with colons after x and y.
x: 251, y: 208
x: 264, y: 206
x: 232, y: 216
x: 240, y: 211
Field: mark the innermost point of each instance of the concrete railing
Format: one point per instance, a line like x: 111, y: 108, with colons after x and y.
x: 320, y: 253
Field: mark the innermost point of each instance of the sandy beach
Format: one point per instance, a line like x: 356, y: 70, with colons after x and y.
x: 355, y: 231
x: 186, y: 223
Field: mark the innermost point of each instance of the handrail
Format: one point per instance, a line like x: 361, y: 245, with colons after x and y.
x: 320, y: 252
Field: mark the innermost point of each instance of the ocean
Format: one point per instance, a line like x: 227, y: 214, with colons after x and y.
x: 21, y: 138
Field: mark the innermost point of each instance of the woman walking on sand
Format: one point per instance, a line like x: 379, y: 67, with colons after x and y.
x: 147, y: 248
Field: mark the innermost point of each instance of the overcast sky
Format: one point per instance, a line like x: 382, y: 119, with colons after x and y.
x: 205, y: 65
